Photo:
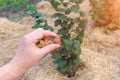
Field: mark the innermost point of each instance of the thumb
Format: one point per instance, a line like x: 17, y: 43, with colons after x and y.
x: 47, y: 49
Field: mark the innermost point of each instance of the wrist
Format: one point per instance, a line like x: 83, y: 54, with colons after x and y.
x: 17, y: 69
x: 9, y: 72
x: 14, y: 70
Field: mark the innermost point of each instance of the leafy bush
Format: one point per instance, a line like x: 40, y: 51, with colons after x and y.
x: 71, y: 32
x: 13, y: 4
x: 106, y: 13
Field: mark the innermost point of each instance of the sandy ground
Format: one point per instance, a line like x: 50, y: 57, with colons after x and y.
x: 100, y: 51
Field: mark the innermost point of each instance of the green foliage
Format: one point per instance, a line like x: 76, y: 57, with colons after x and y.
x: 75, y: 8
x: 71, y: 32
x: 13, y: 17
x: 40, y: 21
x: 30, y: 7
x: 13, y: 4
x: 55, y: 3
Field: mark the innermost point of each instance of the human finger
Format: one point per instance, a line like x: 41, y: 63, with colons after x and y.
x: 50, y: 34
x: 36, y: 35
x: 57, y: 40
x: 48, y: 48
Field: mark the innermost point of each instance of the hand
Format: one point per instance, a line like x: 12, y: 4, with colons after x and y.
x: 28, y: 54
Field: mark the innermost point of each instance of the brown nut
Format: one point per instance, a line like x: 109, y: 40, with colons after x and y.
x: 40, y: 43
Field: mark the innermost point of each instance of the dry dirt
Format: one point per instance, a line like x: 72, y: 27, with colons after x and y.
x: 100, y: 51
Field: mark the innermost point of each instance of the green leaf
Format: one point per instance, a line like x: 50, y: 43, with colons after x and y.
x: 77, y: 47
x: 71, y: 63
x: 55, y: 3
x: 77, y: 60
x: 56, y: 61
x: 62, y: 70
x: 80, y: 38
x: 60, y: 16
x: 60, y: 10
x: 81, y: 30
x: 82, y: 13
x: 56, y: 56
x: 68, y: 11
x: 47, y: 27
x: 68, y: 43
x: 75, y: 8
x: 62, y: 63
x: 64, y: 24
x: 40, y: 21
x: 30, y: 7
x: 77, y: 44
x: 36, y: 26
x: 57, y: 22
x: 65, y: 4
x: 73, y: 1
x: 62, y: 31
x: 36, y: 15
x: 51, y: 29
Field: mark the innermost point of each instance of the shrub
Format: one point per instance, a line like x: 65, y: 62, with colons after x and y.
x: 106, y: 13
x: 12, y: 4
x: 71, y: 32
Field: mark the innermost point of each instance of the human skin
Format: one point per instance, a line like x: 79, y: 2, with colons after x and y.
x: 28, y: 54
